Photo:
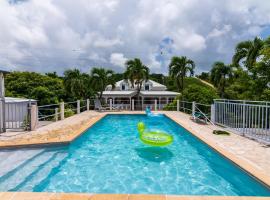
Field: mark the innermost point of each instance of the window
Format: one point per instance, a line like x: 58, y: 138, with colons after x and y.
x: 123, y: 87
x: 146, y: 87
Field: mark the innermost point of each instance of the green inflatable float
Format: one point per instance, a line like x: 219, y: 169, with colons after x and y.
x: 153, y: 137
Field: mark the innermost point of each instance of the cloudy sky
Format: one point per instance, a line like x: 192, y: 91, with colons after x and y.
x: 54, y: 35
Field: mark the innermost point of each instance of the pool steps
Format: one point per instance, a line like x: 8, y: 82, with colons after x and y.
x: 32, y: 167
x: 40, y: 173
x: 13, y: 159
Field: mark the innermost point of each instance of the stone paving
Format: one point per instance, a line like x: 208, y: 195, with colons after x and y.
x: 248, y: 154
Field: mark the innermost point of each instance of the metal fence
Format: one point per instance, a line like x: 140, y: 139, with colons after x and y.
x: 15, y: 115
x: 250, y: 118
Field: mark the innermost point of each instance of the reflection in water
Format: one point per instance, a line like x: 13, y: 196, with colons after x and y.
x: 154, y: 154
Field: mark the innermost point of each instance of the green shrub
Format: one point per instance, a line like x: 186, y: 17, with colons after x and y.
x: 199, y: 94
x: 69, y: 112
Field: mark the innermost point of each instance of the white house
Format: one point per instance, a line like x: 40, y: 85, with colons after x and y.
x: 123, y: 93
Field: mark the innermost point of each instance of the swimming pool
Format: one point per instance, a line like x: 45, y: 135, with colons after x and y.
x: 109, y: 158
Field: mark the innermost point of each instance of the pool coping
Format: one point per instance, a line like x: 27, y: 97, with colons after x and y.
x: 86, y: 196
x: 259, y: 176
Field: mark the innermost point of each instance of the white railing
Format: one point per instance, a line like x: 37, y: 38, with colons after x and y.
x: 54, y: 112
x: 249, y: 118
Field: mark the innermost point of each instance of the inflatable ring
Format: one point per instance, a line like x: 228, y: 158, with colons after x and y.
x: 153, y: 137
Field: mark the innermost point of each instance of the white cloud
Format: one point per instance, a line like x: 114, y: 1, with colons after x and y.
x: 190, y: 40
x: 41, y: 35
x: 118, y: 59
x: 220, y: 32
x: 104, y: 42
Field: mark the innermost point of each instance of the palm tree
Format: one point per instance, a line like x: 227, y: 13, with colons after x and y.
x: 76, y: 83
x: 178, y: 69
x: 219, y: 75
x: 100, y: 78
x: 249, y: 51
x: 136, y: 72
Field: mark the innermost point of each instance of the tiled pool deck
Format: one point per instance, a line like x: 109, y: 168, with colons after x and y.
x: 50, y: 196
x: 248, y: 154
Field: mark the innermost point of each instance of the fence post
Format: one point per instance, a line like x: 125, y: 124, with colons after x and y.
x: 33, y: 117
x: 177, y: 105
x: 110, y: 104
x: 78, y: 107
x: 56, y: 114
x: 62, y: 110
x: 132, y: 104
x: 193, y: 109
x: 213, y: 112
x: 155, y: 105
x: 87, y: 104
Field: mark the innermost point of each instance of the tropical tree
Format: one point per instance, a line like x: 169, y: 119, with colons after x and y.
x: 219, y: 75
x: 100, y: 78
x: 77, y: 84
x: 136, y: 72
x: 247, y: 52
x: 178, y: 69
x: 45, y: 89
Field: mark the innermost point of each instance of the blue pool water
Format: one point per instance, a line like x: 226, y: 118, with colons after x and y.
x: 109, y: 158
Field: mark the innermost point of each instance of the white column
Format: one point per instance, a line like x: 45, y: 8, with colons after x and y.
x: 155, y: 104
x: 159, y: 104
x: 177, y: 105
x: 113, y: 101
x: 132, y: 104
x: 142, y: 102
x: 78, y: 106
x: 2, y: 85
x: 62, y: 110
x: 87, y: 104
x: 110, y: 104
x: 167, y: 100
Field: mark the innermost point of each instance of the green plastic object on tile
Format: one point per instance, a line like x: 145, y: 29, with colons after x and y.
x: 153, y: 137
